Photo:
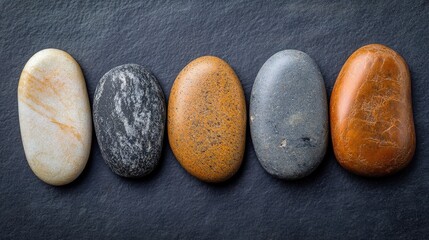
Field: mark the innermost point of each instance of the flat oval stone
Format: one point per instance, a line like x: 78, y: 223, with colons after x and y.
x: 207, y: 119
x: 54, y: 116
x: 289, y: 115
x: 371, y: 113
x: 129, y: 120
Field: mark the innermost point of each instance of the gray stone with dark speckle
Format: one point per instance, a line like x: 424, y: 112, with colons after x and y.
x: 129, y: 119
x: 289, y: 115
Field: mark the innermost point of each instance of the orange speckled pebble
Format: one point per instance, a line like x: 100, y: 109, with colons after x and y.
x: 372, y: 123
x: 207, y: 119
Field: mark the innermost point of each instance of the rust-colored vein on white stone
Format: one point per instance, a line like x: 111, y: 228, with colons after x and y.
x: 54, y: 116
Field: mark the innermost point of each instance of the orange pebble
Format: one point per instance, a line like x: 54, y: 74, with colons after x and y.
x: 207, y: 119
x: 371, y: 113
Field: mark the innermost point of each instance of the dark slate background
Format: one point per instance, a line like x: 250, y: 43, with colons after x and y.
x: 165, y: 36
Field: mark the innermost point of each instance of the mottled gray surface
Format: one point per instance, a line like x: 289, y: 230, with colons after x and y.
x: 289, y: 115
x: 129, y: 120
x: 164, y: 36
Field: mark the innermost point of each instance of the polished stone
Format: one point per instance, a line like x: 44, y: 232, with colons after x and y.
x: 371, y: 113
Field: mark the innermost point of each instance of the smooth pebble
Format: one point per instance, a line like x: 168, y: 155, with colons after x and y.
x: 289, y: 115
x: 129, y: 120
x: 54, y: 116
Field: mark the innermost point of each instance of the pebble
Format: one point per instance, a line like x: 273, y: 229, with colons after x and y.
x: 371, y: 113
x: 129, y: 120
x: 289, y: 115
x: 207, y: 119
x: 54, y: 116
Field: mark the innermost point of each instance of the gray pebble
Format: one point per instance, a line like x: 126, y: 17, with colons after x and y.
x: 289, y: 115
x: 129, y: 120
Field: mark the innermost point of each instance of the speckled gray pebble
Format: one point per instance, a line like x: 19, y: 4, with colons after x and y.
x: 289, y: 115
x: 129, y: 120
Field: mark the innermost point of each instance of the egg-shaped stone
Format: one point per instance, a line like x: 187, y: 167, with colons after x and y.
x: 289, y: 115
x: 54, y: 116
x: 207, y: 119
x: 371, y: 113
x: 129, y: 120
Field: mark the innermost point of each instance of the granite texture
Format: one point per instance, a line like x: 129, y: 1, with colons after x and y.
x: 289, y: 115
x: 331, y: 203
x: 129, y: 120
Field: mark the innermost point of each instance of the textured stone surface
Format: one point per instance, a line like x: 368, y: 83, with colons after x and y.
x: 54, y: 116
x: 371, y: 113
x: 207, y: 119
x: 171, y: 204
x: 129, y: 120
x: 289, y: 115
